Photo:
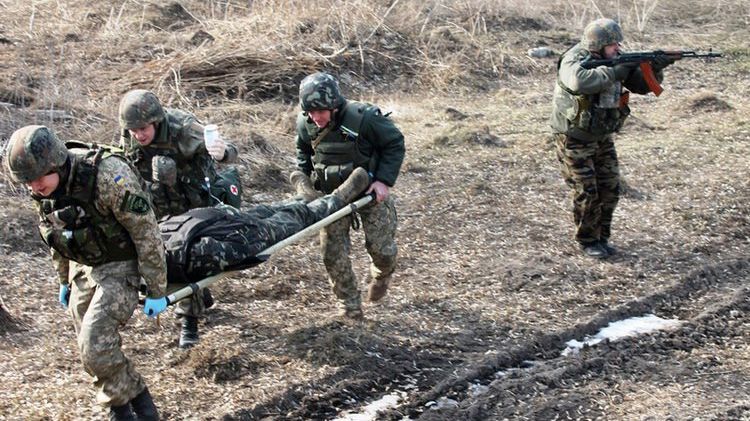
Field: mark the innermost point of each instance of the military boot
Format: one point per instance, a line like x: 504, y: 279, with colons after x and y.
x: 121, y: 413
x: 189, y: 332
x: 594, y: 250
x: 351, y: 308
x: 378, y: 288
x: 352, y: 313
x: 357, y: 182
x: 303, y: 186
x: 611, y: 251
x: 144, y: 408
x: 208, y: 299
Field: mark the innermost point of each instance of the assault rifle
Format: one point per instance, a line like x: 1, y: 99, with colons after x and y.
x: 645, y: 58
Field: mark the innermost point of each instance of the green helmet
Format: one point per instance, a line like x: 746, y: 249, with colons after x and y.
x: 319, y: 91
x: 600, y: 33
x: 139, y: 108
x: 34, y: 151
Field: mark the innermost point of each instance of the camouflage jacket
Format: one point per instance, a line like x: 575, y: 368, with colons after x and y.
x: 180, y: 137
x: 373, y: 142
x: 100, y: 214
x: 577, y: 107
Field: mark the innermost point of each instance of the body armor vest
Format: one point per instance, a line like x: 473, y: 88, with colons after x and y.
x: 190, y: 191
x: 598, y: 114
x: 339, y: 151
x: 74, y: 227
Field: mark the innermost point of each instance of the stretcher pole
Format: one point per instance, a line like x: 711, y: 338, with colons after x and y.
x: 194, y: 287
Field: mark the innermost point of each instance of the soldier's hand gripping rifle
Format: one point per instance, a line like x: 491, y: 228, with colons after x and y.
x: 646, y: 59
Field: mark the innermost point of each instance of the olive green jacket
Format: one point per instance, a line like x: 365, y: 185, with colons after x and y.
x: 378, y: 139
x: 576, y: 93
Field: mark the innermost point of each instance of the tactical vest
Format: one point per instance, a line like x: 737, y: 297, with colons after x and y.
x: 584, y: 112
x: 190, y: 190
x: 180, y: 232
x: 74, y: 227
x: 338, y: 152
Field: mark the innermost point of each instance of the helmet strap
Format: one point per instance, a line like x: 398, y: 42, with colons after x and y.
x: 64, y: 173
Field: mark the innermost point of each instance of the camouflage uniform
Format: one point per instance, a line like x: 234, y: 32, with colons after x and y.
x: 359, y: 135
x: 179, y: 137
x: 588, y: 107
x: 207, y: 241
x: 103, y: 237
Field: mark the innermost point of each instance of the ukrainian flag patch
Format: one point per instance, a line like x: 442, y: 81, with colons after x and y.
x: 120, y: 180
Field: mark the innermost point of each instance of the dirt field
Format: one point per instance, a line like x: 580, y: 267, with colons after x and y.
x: 490, y: 285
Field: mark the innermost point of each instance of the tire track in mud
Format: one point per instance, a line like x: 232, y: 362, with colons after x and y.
x: 517, y: 396
x: 550, y: 370
x: 405, y: 366
x: 369, y: 361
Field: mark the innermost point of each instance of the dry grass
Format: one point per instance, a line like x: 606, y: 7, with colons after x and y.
x: 486, y: 261
x: 190, y: 53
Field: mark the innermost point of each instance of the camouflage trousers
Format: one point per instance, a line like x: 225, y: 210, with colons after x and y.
x: 233, y: 243
x: 102, y: 299
x: 591, y: 170
x: 379, y: 223
x: 192, y: 306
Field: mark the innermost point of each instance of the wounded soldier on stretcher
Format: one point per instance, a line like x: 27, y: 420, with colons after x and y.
x: 207, y: 241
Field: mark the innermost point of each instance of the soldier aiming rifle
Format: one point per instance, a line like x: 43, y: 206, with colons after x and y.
x: 645, y: 60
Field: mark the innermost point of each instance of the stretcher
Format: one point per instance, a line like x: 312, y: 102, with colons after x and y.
x: 264, y: 255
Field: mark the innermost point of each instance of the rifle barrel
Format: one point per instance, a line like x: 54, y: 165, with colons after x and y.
x: 642, y: 56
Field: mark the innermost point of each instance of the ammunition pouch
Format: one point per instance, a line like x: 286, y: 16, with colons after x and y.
x: 74, y: 227
x: 82, y: 245
x: 603, y: 121
x: 327, y: 178
x: 167, y: 200
x: 581, y: 111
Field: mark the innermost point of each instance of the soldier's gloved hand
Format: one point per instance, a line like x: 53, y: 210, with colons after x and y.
x: 154, y: 306
x: 217, y: 148
x: 164, y: 170
x: 64, y: 295
x: 65, y: 217
x: 622, y: 71
x: 661, y: 62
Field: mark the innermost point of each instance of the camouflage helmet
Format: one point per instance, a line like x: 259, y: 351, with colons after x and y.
x: 319, y: 91
x: 34, y: 151
x: 139, y: 108
x: 600, y: 33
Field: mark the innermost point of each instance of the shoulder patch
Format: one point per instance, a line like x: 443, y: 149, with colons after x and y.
x: 119, y: 180
x: 134, y: 204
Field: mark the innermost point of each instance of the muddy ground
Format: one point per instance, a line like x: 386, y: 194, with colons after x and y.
x: 490, y: 285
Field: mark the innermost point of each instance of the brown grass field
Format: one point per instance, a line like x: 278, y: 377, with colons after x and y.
x: 490, y: 285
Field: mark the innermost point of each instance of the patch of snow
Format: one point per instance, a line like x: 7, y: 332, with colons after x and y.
x: 441, y: 403
x: 477, y: 390
x: 621, y: 329
x: 370, y: 411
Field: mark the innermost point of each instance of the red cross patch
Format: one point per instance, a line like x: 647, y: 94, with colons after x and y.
x: 234, y: 190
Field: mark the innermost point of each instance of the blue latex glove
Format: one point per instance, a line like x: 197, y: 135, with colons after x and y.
x: 154, y: 306
x: 64, y: 295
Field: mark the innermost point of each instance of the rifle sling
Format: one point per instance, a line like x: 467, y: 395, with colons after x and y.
x: 321, y: 135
